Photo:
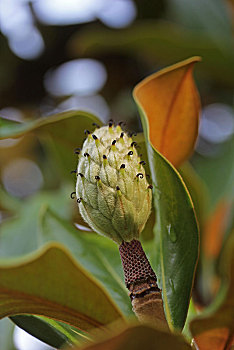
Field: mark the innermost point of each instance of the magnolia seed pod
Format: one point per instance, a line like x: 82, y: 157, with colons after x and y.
x: 112, y: 191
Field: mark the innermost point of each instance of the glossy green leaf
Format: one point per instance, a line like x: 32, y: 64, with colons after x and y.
x: 176, y: 235
x: 96, y: 254
x: 140, y: 337
x: 41, y: 330
x: 52, y: 284
x: 42, y: 219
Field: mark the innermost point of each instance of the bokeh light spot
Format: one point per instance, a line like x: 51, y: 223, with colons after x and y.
x: 118, y: 13
x: 60, y: 12
x: 27, y: 43
x: 81, y: 76
x: 11, y: 113
x: 92, y: 104
x: 22, y: 177
x: 14, y: 15
x: 217, y: 123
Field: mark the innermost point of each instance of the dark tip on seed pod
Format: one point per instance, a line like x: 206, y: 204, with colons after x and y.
x: 117, y: 188
x: 86, y: 154
x: 79, y: 200
x: 73, y: 171
x: 77, y: 150
x: 95, y: 124
x: 122, y: 134
x: 87, y: 132
x: 140, y: 175
x: 81, y: 175
x: 110, y: 123
x: 133, y: 144
x: 132, y: 134
x: 122, y: 166
x: 72, y: 195
x: 130, y: 153
x: 94, y: 137
x: 113, y: 142
x: 121, y: 123
x: 150, y: 187
x: 104, y: 156
x: 142, y: 162
x: 97, y: 177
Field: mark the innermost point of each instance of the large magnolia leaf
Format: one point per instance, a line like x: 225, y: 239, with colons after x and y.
x: 171, y: 104
x: 97, y: 254
x: 140, y: 337
x: 176, y: 233
x: 36, y: 224
x: 216, y: 329
x: 52, y: 284
x: 42, y: 219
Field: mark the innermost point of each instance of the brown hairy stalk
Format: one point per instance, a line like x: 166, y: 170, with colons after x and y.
x: 141, y: 282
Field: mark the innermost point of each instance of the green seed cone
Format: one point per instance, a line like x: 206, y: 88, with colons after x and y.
x: 113, y: 194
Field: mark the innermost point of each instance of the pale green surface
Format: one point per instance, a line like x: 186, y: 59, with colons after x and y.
x: 119, y: 214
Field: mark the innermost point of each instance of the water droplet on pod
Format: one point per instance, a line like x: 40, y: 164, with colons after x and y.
x: 172, y: 284
x: 171, y: 233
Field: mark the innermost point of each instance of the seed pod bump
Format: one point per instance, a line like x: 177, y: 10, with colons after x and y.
x: 115, y: 200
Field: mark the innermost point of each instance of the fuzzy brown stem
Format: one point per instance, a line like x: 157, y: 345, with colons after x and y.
x: 141, y: 282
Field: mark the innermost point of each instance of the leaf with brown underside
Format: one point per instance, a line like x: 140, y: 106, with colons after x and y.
x: 215, y: 339
x: 171, y: 103
x: 175, y: 249
x: 216, y: 330
x: 51, y: 283
x: 140, y: 337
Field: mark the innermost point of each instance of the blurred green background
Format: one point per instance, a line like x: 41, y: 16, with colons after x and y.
x: 59, y: 55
